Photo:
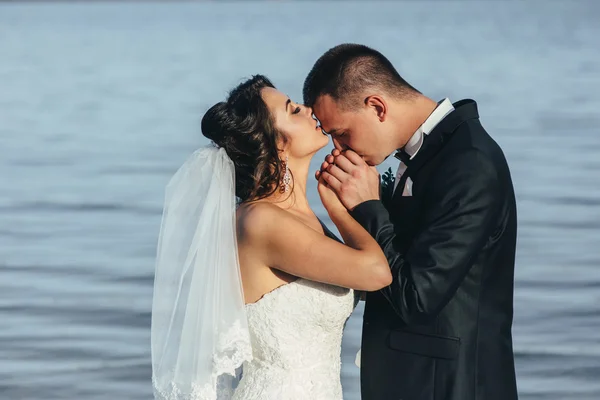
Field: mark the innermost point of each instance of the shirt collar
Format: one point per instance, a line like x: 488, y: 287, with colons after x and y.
x: 414, y: 144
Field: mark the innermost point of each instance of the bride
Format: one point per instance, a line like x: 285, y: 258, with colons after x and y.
x: 251, y: 289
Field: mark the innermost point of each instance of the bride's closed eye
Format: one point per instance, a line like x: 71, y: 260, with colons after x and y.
x: 296, y: 110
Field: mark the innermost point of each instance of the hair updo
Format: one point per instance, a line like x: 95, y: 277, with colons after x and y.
x: 244, y: 127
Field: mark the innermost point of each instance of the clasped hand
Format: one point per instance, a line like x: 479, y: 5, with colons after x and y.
x: 350, y: 177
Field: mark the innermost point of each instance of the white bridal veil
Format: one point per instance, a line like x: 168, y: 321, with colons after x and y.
x: 199, y: 334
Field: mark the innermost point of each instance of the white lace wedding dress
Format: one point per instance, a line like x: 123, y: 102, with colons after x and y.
x: 296, y: 332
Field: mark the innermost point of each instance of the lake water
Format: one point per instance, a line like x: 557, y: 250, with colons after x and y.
x: 101, y: 102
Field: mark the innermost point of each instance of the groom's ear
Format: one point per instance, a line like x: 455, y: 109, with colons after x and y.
x: 378, y: 105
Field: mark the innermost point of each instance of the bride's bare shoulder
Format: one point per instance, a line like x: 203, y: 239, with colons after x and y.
x: 256, y: 219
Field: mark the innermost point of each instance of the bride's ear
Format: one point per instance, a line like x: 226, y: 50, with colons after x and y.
x: 283, y: 146
x: 377, y: 105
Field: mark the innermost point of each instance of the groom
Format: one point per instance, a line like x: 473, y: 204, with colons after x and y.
x: 442, y: 329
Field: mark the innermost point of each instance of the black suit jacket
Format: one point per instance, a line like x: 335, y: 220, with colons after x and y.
x: 442, y: 329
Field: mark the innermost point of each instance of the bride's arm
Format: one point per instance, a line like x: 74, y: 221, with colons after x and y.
x: 285, y: 243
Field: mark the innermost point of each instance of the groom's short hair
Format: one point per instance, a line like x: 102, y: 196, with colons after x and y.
x: 346, y: 70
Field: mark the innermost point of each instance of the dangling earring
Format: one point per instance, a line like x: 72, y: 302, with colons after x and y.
x: 284, y: 186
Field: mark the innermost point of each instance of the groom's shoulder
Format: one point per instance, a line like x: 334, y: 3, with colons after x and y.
x: 472, y: 135
x: 473, y: 149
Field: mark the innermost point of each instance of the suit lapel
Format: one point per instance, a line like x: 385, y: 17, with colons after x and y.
x: 464, y: 110
x: 400, y: 188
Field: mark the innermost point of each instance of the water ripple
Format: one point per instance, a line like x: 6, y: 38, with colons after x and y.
x: 101, y: 102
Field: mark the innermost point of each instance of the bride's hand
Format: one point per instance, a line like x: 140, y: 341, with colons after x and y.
x: 329, y: 198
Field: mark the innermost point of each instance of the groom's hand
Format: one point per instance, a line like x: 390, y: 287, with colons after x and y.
x: 350, y: 177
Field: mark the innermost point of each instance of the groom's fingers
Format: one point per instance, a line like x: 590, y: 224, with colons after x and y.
x: 331, y: 180
x: 354, y: 158
x: 317, y: 175
x: 337, y: 173
x: 344, y: 163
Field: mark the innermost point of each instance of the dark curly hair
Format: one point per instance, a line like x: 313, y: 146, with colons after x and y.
x: 244, y: 127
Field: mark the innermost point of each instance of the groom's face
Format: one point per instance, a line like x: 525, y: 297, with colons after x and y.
x: 356, y: 129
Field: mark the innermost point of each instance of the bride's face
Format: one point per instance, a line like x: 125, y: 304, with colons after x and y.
x: 295, y: 121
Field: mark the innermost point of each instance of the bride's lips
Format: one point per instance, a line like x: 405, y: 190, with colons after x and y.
x: 319, y: 129
x: 318, y: 125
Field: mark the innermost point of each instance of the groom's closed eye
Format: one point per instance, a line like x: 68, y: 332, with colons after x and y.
x: 336, y: 133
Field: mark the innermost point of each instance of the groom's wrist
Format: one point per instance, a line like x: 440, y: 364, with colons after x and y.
x: 365, y: 211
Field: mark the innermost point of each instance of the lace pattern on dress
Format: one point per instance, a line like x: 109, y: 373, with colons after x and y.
x: 233, y: 349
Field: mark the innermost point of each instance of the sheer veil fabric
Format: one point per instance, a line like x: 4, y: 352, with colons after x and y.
x: 199, y: 331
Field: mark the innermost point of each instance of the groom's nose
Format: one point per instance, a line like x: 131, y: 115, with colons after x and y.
x: 337, y: 144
